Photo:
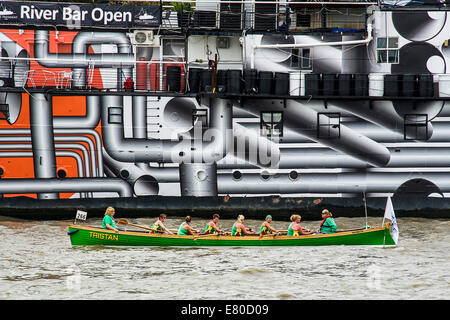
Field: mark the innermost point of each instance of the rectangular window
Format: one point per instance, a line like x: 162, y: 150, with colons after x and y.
x: 328, y: 125
x: 306, y: 60
x: 301, y: 58
x: 271, y: 124
x: 387, y: 50
x: 303, y: 20
x: 295, y: 58
x: 115, y: 115
x: 415, y: 127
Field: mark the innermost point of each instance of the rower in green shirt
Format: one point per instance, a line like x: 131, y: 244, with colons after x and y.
x: 328, y: 225
x: 185, y: 228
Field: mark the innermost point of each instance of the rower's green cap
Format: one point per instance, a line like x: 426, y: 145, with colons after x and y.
x: 268, y: 216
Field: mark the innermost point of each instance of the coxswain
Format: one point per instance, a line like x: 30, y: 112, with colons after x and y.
x: 185, y: 228
x: 158, y: 226
x: 239, y: 229
x: 327, y: 225
x: 295, y: 229
x: 211, y: 226
x: 266, y: 228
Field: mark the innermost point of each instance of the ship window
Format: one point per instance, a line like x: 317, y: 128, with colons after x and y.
x: 115, y: 115
x: 415, y: 127
x: 328, y: 125
x: 387, y: 50
x: 301, y: 58
x: 306, y: 60
x: 271, y: 124
x: 303, y: 20
x: 295, y: 58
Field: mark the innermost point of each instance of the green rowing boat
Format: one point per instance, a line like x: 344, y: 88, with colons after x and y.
x: 84, y: 235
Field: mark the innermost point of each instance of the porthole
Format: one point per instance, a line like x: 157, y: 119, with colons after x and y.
x: 202, y: 175
x: 265, y: 175
x: 62, y: 173
x: 293, y: 175
x: 124, y: 174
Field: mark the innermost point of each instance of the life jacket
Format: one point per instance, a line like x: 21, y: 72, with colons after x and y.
x: 209, y: 230
x: 235, y: 231
x: 291, y: 232
x: 323, y: 221
x: 263, y: 230
x: 155, y: 228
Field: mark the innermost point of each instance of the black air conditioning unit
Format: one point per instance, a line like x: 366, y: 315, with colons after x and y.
x: 231, y: 16
x: 265, y: 15
x: 205, y: 19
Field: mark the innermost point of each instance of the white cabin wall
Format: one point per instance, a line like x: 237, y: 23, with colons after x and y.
x: 203, y: 48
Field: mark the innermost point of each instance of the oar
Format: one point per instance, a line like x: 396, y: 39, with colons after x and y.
x: 280, y: 232
x: 125, y: 222
x: 286, y: 231
x: 212, y: 234
x: 199, y: 235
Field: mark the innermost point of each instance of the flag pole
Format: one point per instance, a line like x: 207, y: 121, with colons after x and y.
x: 382, y: 224
x: 365, y: 208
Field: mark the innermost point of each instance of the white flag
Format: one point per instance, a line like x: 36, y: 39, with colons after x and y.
x: 81, y: 215
x: 390, y: 214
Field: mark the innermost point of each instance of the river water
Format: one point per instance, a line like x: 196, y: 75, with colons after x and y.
x: 37, y: 261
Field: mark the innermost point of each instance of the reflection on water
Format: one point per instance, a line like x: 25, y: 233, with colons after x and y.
x: 38, y: 262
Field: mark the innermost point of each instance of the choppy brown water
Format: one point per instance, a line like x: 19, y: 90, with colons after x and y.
x: 38, y: 262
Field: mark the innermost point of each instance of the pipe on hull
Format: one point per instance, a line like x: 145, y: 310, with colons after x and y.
x: 144, y: 179
x: 302, y: 119
x: 253, y: 148
x: 198, y: 179
x: 29, y: 154
x: 58, y: 146
x: 381, y: 113
x: 211, y: 148
x: 97, y: 170
x: 84, y: 39
x: 80, y: 59
x: 89, y: 121
x: 332, y: 183
x: 52, y: 186
x: 401, y: 157
x: 41, y: 124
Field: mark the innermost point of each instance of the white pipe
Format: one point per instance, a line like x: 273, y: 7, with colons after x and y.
x: 309, y: 45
